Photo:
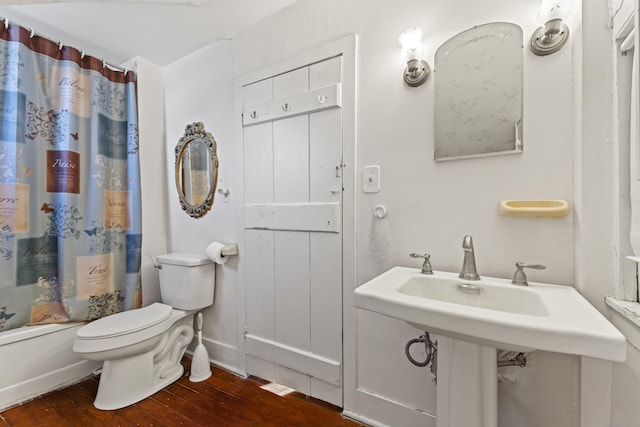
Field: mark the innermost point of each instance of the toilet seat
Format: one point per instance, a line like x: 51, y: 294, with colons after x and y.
x: 125, y: 322
x: 128, y: 328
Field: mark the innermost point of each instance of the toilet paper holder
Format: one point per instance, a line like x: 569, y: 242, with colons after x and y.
x: 220, y: 252
x: 230, y: 249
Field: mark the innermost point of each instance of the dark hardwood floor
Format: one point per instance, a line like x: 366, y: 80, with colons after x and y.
x: 224, y: 399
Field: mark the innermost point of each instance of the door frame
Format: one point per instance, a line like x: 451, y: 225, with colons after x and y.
x: 346, y: 48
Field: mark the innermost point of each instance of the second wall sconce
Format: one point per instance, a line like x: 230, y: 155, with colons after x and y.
x: 553, y: 33
x: 417, y: 71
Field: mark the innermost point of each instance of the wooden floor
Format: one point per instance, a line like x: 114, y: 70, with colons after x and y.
x: 225, y: 399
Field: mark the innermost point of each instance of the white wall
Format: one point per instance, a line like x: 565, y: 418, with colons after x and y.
x: 200, y: 88
x: 395, y: 131
x: 431, y: 206
x: 152, y: 182
x: 609, y: 392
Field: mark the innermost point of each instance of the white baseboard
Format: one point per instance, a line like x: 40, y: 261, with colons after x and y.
x: 378, y: 411
x: 223, y: 355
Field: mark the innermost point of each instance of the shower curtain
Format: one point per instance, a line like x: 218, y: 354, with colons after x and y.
x: 70, y: 220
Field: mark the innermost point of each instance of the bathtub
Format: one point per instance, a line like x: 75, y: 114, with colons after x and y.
x: 38, y: 359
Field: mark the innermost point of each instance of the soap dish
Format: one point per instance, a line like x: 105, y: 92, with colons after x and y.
x: 537, y: 208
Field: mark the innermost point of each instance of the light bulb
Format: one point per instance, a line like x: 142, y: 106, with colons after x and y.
x: 553, y: 9
x: 411, y: 41
x: 553, y: 32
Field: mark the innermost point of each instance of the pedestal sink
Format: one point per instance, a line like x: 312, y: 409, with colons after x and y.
x: 474, y: 318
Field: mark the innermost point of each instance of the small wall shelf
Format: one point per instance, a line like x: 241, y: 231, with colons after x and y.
x: 535, y: 208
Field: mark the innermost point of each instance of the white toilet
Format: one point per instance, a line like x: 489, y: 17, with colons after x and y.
x: 141, y: 349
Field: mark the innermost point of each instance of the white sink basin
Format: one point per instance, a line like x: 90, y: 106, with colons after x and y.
x: 494, y: 313
x: 514, y: 299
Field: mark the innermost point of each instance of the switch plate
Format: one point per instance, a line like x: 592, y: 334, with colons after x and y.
x: 371, y: 179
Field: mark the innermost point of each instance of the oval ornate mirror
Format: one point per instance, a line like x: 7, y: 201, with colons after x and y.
x: 196, y: 170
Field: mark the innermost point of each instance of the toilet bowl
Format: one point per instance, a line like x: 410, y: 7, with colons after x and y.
x: 141, y: 349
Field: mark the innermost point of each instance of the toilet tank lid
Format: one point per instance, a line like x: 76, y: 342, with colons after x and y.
x: 125, y: 322
x: 183, y: 258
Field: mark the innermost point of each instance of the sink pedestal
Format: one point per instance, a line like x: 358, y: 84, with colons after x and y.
x: 492, y: 313
x: 467, y: 388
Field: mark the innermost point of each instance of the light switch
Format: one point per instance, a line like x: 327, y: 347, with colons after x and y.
x: 371, y: 179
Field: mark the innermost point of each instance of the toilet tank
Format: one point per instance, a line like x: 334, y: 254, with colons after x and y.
x: 187, y: 280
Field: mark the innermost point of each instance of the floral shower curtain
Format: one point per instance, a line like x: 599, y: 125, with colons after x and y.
x: 70, y: 220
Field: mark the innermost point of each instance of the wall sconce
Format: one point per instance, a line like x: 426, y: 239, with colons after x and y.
x: 553, y: 33
x: 417, y: 71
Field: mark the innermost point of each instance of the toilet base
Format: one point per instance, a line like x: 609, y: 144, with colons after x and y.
x: 127, y: 381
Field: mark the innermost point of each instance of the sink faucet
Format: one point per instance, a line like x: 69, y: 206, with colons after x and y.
x: 426, y: 265
x: 519, y: 278
x: 469, y: 264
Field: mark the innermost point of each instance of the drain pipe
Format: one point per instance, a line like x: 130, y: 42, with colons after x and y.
x: 519, y: 359
x: 430, y: 347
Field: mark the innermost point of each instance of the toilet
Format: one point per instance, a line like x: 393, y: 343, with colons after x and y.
x: 141, y: 349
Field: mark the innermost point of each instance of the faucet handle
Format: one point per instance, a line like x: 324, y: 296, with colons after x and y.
x: 426, y: 266
x: 519, y: 278
x: 522, y: 265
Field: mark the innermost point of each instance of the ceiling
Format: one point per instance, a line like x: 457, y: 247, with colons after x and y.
x: 161, y: 31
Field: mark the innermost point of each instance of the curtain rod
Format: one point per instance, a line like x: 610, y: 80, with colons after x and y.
x: 61, y: 45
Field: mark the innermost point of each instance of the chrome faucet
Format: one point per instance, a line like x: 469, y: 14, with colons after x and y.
x: 426, y: 265
x: 469, y: 264
x: 519, y: 278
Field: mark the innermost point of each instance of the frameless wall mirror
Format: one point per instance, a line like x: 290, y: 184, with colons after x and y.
x: 196, y: 170
x: 478, y: 93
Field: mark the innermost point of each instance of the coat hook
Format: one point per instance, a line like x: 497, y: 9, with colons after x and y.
x: 31, y: 33
x: 6, y: 23
x: 286, y: 107
x: 253, y: 114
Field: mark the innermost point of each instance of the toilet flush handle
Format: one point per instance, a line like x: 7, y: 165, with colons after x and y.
x: 156, y: 266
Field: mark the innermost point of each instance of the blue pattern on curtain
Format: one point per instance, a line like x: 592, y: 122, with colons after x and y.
x: 70, y: 217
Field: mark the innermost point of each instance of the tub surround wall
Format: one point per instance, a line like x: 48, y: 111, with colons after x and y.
x: 46, y: 362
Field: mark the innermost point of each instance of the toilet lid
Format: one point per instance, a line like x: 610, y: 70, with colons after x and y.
x: 125, y: 322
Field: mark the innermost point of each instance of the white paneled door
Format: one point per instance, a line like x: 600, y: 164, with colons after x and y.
x: 292, y: 126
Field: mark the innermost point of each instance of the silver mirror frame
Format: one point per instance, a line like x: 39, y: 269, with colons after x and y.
x: 196, y: 132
